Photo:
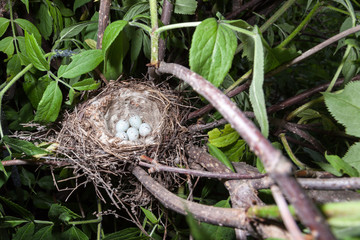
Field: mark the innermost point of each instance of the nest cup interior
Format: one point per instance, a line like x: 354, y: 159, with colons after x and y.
x: 131, y: 103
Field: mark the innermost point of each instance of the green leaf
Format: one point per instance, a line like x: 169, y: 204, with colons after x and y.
x: 44, y: 233
x: 46, y: 183
x: 345, y: 107
x: 83, y: 62
x: 149, y: 215
x: 25, y: 232
x: 4, y: 23
x: 185, y: 7
x: 22, y: 146
x: 350, y: 67
x: 25, y: 115
x: 341, y: 166
x: 45, y: 24
x: 74, y: 30
x: 235, y: 153
x: 126, y: 234
x: 35, y: 88
x: 136, y: 9
x: 218, y: 232
x: 223, y: 138
x: 50, y: 104
x: 30, y: 28
x: 86, y: 84
x: 274, y: 57
x: 79, y: 3
x: 196, y: 230
x: 7, y: 46
x: 257, y: 98
x: 111, y: 33
x: 136, y: 43
x: 22, y: 212
x: 214, y: 151
x: 13, y: 66
x: 11, y: 222
x: 61, y: 213
x: 115, y: 56
x: 35, y: 54
x: 27, y: 178
x: 26, y: 2
x: 74, y: 233
x: 212, y: 50
x: 352, y: 156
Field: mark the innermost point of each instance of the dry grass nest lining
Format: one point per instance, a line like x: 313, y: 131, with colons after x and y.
x: 88, y: 141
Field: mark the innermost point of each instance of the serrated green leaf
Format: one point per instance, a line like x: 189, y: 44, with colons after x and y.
x: 30, y: 28
x: 25, y: 232
x: 185, y: 7
x: 83, y: 62
x: 44, y: 233
x: 35, y: 54
x: 22, y: 212
x: 329, y: 168
x: 341, y: 166
x: 74, y: 30
x: 35, y: 88
x: 212, y: 50
x: 86, y: 84
x: 13, y: 66
x: 345, y: 107
x: 214, y: 151
x: 235, y: 153
x: 50, y: 104
x: 126, y: 234
x: 74, y: 233
x: 352, y: 156
x: 45, y: 24
x: 22, y: 146
x: 256, y: 91
x: 4, y: 23
x: 7, y: 46
x: 79, y: 3
x: 149, y: 215
x: 223, y: 138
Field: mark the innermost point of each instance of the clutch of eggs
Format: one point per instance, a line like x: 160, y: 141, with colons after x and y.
x: 131, y: 130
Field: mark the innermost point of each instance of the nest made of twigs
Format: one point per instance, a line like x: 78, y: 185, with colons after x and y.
x: 88, y: 140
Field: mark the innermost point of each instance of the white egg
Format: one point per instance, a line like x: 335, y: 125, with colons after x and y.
x: 135, y: 121
x: 122, y: 135
x: 133, y: 134
x: 144, y: 129
x: 122, y: 126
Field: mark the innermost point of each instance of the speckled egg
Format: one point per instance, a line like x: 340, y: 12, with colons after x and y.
x: 144, y: 129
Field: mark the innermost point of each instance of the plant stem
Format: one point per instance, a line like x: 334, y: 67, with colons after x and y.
x: 301, y: 25
x: 154, y: 35
x: 303, y: 108
x: 99, y: 229
x: 289, y: 151
x: 333, y: 81
x: 12, y: 81
x: 61, y: 81
x: 176, y: 25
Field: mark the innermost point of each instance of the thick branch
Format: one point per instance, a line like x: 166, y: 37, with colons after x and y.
x: 274, y: 162
x: 165, y: 19
x: 215, y: 215
x: 103, y: 21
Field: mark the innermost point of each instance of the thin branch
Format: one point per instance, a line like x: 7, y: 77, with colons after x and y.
x: 285, y: 214
x: 165, y: 19
x: 162, y: 168
x: 277, y: 166
x: 244, y: 7
x: 103, y: 21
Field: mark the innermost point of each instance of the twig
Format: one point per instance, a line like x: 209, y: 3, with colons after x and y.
x: 244, y: 7
x: 285, y: 214
x: 162, y: 168
x: 165, y: 19
x: 215, y: 215
x: 277, y: 166
x: 103, y: 21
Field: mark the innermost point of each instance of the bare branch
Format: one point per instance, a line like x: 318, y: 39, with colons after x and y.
x: 274, y: 162
x: 103, y: 21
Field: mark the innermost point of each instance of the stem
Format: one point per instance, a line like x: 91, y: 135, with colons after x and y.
x: 61, y: 81
x: 289, y: 151
x: 333, y: 81
x: 103, y: 21
x: 13, y: 25
x: 303, y: 108
x: 300, y: 26
x: 154, y: 35
x: 176, y: 26
x: 43, y: 222
x: 98, y: 232
x: 12, y: 81
x: 142, y: 26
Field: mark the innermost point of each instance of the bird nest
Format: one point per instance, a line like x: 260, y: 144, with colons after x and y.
x: 89, y: 143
